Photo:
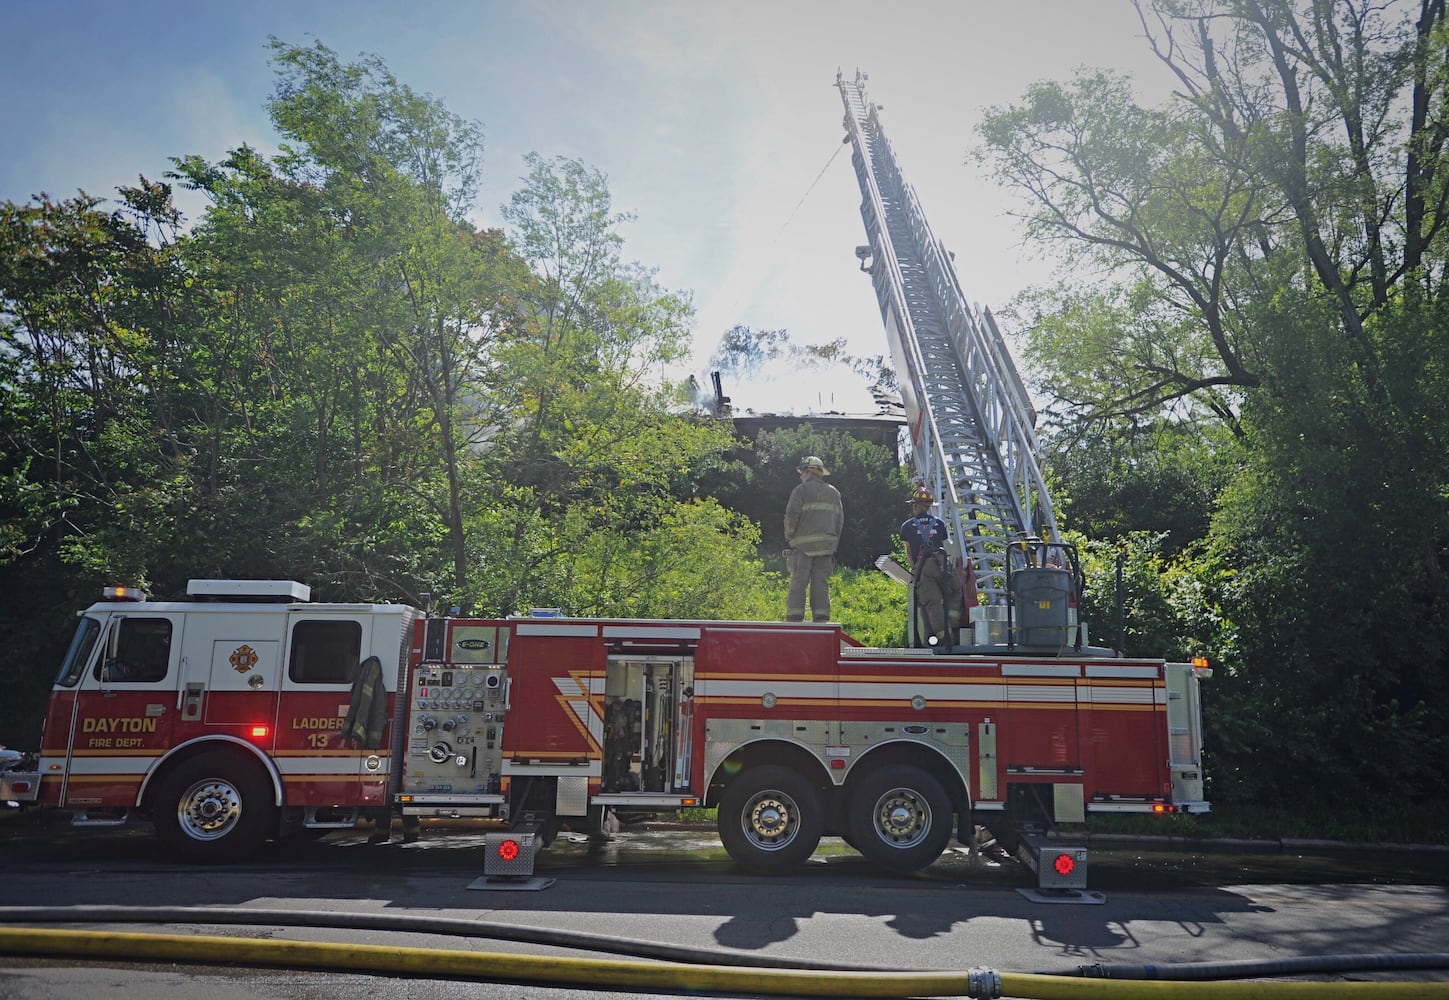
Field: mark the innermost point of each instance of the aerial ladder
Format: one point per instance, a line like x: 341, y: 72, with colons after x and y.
x: 971, y: 422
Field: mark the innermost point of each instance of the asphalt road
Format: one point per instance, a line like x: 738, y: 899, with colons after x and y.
x: 677, y: 888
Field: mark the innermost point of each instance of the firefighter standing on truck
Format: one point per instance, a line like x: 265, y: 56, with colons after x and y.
x: 814, y: 516
x: 925, y: 538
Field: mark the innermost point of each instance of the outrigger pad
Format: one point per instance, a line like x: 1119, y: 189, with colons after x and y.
x: 1071, y: 896
x: 510, y: 883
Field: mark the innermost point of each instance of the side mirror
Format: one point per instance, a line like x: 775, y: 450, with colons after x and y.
x: 113, y: 637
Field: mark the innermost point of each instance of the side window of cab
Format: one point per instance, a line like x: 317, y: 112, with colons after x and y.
x: 143, y: 652
x: 325, y: 651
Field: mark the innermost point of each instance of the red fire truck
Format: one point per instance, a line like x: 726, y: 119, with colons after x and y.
x: 247, y: 712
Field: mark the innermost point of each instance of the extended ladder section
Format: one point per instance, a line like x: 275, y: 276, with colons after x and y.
x: 971, y: 422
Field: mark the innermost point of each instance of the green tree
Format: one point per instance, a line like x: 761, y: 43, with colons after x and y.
x: 698, y: 561
x: 354, y: 310
x: 89, y: 315
x: 1112, y: 479
x: 1138, y: 205
x: 873, y: 487
x: 406, y: 170
x: 93, y: 305
x: 579, y: 416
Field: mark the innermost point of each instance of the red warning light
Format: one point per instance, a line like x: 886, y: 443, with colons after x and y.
x: 508, y: 850
x: 260, y: 732
x: 1065, y: 864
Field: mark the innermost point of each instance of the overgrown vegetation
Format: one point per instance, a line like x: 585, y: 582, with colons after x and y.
x: 1244, y: 364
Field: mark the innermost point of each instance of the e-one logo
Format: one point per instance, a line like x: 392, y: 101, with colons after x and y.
x: 471, y: 644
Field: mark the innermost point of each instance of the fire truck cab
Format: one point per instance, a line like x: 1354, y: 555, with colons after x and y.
x: 219, y: 717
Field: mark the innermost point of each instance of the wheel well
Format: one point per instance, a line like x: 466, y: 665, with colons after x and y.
x: 779, y: 752
x: 244, y: 754
x: 927, y: 758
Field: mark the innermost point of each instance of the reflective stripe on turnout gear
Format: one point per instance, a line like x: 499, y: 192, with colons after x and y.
x: 814, y: 517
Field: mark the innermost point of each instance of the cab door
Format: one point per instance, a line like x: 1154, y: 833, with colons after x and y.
x: 321, y: 765
x: 125, y: 709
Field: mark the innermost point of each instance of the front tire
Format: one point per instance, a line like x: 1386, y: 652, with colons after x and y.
x: 213, y: 808
x: 770, y: 819
x: 900, y: 818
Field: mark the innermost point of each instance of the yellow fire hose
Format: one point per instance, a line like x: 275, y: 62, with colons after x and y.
x: 595, y: 973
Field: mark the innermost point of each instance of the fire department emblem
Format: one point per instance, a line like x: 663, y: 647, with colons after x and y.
x: 243, y: 658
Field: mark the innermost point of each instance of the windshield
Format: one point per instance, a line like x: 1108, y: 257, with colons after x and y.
x: 79, y: 653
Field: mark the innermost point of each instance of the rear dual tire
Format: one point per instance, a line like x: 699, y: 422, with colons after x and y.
x: 900, y: 818
x: 771, y: 819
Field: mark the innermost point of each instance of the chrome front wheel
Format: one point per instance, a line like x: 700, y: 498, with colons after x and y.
x: 214, y: 807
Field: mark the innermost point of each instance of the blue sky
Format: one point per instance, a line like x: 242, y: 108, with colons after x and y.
x: 713, y: 122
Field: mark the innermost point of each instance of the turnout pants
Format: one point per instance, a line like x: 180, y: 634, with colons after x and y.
x: 812, y: 572
x: 938, y: 598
